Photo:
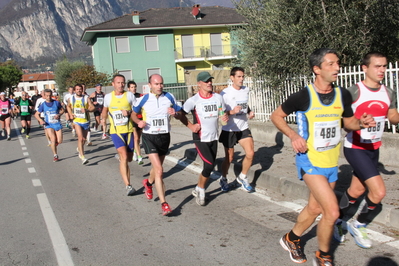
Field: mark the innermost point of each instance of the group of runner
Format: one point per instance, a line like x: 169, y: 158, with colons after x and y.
x: 321, y: 108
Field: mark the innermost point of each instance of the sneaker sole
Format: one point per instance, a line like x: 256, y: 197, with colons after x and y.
x: 287, y: 249
x: 354, y: 237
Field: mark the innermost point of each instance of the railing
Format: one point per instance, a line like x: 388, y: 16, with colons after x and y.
x: 206, y: 51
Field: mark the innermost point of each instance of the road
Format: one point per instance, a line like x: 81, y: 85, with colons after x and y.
x: 64, y: 213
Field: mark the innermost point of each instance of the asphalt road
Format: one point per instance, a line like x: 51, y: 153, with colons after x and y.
x: 64, y: 213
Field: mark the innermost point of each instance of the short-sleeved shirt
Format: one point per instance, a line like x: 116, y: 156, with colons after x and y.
x: 155, y: 112
x: 205, y: 112
x: 50, y: 109
x: 232, y: 98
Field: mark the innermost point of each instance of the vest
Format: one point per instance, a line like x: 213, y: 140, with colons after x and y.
x: 77, y: 105
x: 24, y: 105
x: 119, y: 123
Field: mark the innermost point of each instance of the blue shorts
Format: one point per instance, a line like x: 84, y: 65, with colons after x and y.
x: 56, y: 126
x: 123, y: 140
x: 363, y: 162
x: 85, y: 126
x: 304, y: 166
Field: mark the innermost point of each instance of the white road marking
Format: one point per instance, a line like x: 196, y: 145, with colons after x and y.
x: 28, y: 160
x: 31, y: 170
x: 36, y: 182
x: 25, y: 154
x: 60, y: 246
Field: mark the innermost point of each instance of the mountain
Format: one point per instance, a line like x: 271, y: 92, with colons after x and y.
x: 44, y: 30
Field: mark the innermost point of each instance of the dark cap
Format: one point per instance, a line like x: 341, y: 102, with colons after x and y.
x: 99, y: 84
x: 204, y: 76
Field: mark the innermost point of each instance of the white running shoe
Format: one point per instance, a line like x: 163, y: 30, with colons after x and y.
x: 130, y: 190
x: 73, y: 133
x: 244, y: 184
x: 199, y: 196
x: 359, y: 233
x: 135, y: 158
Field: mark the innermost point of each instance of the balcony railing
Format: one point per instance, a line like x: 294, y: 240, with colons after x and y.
x: 206, y: 51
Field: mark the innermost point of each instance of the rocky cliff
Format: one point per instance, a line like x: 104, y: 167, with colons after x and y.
x: 35, y: 29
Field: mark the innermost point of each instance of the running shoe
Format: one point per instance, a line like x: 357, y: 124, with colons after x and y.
x: 3, y: 133
x: 140, y: 160
x: 224, y: 184
x: 135, y: 157
x: 166, y: 208
x: 294, y: 248
x: 73, y: 133
x: 55, y: 159
x: 359, y: 233
x: 147, y: 189
x: 8, y: 138
x: 322, y: 260
x: 339, y: 235
x: 244, y: 184
x: 117, y: 157
x: 22, y: 130
x: 104, y: 136
x: 27, y: 137
x: 130, y: 190
x: 84, y: 160
x: 89, y: 143
x: 199, y: 196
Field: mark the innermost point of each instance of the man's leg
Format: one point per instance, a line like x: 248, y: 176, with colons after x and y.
x: 124, y: 158
x: 23, y: 125
x: 229, y: 155
x: 81, y: 139
x: 28, y: 124
x: 53, y: 139
x: 248, y: 145
x: 156, y: 174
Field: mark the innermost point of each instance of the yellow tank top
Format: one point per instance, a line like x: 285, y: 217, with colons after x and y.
x: 119, y: 123
x: 77, y: 105
x: 320, y: 126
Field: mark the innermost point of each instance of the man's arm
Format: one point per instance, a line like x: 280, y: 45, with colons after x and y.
x: 297, y: 142
x: 91, y: 105
x: 393, y: 116
x: 365, y: 121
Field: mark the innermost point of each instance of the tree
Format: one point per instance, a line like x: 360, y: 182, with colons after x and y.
x: 280, y: 34
x: 63, y: 71
x: 89, y: 76
x: 10, y: 75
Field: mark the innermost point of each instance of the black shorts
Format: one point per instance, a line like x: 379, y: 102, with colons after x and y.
x: 26, y: 117
x: 231, y: 138
x: 207, y: 151
x: 4, y: 117
x: 98, y: 111
x: 363, y: 162
x: 158, y: 143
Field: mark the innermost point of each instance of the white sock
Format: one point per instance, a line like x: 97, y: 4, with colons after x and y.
x: 199, y: 188
x: 88, y: 136
x: 242, y: 176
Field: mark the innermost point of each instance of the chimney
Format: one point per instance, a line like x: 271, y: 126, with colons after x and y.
x: 196, y: 11
x: 136, y: 17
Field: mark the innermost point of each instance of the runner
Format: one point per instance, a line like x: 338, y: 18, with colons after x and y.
x: 52, y: 111
x: 88, y: 137
x: 205, y: 106
x: 68, y: 119
x: 5, y: 116
x: 24, y: 107
x: 156, y: 107
x: 118, y: 107
x: 237, y: 130
x: 39, y: 102
x: 132, y: 87
x: 361, y: 149
x: 319, y: 108
x: 97, y: 98
x: 79, y: 106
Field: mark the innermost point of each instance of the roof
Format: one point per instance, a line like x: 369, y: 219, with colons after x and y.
x: 37, y: 77
x: 168, y: 18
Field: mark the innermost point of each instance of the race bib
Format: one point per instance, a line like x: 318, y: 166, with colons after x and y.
x: 209, y: 110
x: 4, y: 111
x: 373, y: 134
x: 327, y: 135
x: 100, y: 101
x: 24, y: 108
x: 119, y: 119
x: 158, y: 124
x: 244, y: 107
x: 78, y: 113
x: 51, y: 118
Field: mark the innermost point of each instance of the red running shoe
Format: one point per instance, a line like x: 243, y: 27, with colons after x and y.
x: 166, y: 208
x: 147, y: 189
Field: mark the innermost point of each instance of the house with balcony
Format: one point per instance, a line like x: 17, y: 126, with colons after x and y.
x: 39, y: 81
x: 166, y: 41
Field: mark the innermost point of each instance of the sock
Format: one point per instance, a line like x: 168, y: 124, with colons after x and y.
x: 292, y: 236
x: 27, y: 130
x: 369, y: 211
x: 88, y: 137
x: 199, y: 188
x: 347, y: 205
x: 324, y: 254
x: 242, y: 176
x: 223, y: 177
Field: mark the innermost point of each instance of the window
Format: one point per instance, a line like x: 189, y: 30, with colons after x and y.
x: 127, y: 74
x: 188, y: 46
x: 152, y: 71
x: 122, y: 44
x: 151, y: 43
x: 216, y: 44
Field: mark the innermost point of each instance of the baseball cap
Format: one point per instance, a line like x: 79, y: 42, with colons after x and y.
x: 204, y: 76
x: 2, y: 93
x: 98, y: 84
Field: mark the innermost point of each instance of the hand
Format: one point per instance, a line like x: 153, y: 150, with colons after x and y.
x: 83, y: 110
x: 195, y: 128
x: 251, y: 115
x: 171, y: 111
x: 141, y: 124
x: 125, y: 113
x: 367, y: 120
x: 299, y: 144
x: 225, y: 117
x: 237, y: 109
